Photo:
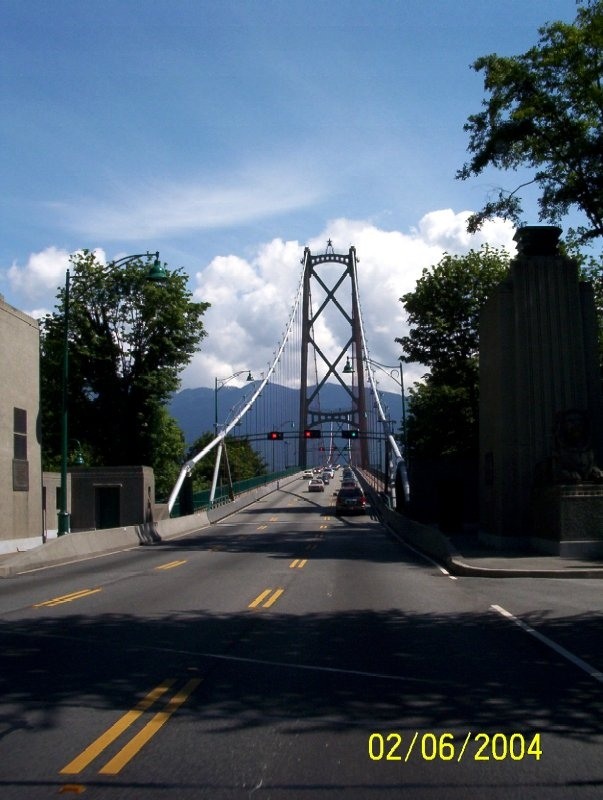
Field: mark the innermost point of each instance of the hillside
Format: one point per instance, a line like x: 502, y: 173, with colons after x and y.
x: 194, y: 409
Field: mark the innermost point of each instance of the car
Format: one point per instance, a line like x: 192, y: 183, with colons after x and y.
x: 351, y: 501
x: 348, y: 474
x: 349, y: 484
x: 316, y: 485
x: 308, y: 474
x: 326, y: 477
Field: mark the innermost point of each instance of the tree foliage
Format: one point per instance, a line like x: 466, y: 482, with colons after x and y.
x: 545, y: 112
x: 591, y: 270
x: 128, y: 340
x: 443, y: 315
x: 442, y: 421
x: 240, y: 458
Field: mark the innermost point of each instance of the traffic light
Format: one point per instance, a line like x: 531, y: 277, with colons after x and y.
x: 274, y: 435
x: 350, y: 434
x: 312, y: 433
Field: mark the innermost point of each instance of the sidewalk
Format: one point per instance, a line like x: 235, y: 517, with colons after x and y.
x: 468, y: 557
x: 465, y: 555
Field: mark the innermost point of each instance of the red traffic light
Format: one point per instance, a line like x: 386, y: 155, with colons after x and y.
x: 274, y: 435
x: 312, y: 433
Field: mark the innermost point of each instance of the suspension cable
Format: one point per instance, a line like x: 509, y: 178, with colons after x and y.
x: 400, y: 464
x: 190, y: 464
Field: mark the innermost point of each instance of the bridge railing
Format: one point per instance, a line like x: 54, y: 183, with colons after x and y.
x: 223, y: 493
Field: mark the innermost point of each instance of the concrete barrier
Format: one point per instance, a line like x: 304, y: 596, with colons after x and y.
x: 424, y: 538
x: 88, y: 544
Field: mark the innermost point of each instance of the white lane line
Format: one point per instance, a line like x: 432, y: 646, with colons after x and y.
x: 577, y: 662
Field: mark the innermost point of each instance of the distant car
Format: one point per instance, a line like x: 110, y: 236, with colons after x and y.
x: 308, y: 474
x: 316, y: 485
x: 350, y: 501
x: 349, y: 484
x: 348, y: 474
x: 326, y: 477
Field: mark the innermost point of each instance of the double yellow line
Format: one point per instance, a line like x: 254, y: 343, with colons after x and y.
x: 131, y: 748
x: 267, y: 598
x: 67, y: 598
x: 171, y: 564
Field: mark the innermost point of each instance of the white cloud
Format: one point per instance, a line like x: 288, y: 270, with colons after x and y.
x: 252, y: 298
x: 448, y: 229
x: 165, y: 208
x: 44, y: 272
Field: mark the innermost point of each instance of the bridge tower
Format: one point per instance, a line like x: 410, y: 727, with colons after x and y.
x: 311, y: 415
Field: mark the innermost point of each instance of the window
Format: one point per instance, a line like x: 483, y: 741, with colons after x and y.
x: 20, y: 434
x: 20, y: 463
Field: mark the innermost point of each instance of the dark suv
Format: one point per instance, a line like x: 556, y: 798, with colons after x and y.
x: 350, y: 501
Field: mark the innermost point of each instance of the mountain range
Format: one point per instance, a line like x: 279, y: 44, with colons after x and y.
x: 194, y: 409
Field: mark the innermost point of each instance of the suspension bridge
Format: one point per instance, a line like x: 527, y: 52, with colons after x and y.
x: 287, y: 409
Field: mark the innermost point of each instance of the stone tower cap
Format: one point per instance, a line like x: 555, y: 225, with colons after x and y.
x: 537, y: 240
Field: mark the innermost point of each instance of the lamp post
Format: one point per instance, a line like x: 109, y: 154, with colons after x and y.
x: 219, y: 383
x: 280, y: 427
x: 156, y: 273
x: 394, y: 372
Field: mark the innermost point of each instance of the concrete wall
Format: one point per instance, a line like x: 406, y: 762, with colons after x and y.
x: 132, y: 487
x: 87, y: 544
x: 20, y: 453
x: 537, y: 358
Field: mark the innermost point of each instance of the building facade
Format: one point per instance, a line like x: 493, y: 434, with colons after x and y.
x: 21, y: 521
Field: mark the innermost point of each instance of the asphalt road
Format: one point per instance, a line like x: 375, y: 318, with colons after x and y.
x: 288, y: 653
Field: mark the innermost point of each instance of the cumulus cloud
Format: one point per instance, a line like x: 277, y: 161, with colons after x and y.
x: 42, y: 273
x: 251, y: 298
x: 448, y: 229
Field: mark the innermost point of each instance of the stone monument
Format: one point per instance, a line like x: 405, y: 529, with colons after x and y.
x: 541, y: 405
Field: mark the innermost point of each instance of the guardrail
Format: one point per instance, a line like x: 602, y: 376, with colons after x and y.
x: 225, y: 495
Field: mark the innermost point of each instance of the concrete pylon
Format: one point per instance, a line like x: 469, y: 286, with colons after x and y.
x: 538, y: 361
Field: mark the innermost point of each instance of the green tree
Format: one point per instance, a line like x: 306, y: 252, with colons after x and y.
x: 443, y: 316
x: 129, y: 339
x: 442, y: 420
x: 443, y: 313
x: 242, y: 460
x: 544, y: 112
x: 591, y: 270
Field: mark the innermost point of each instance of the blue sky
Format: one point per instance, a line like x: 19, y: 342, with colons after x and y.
x: 229, y: 134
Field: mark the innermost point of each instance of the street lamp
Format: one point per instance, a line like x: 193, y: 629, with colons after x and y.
x: 394, y: 372
x: 157, y: 274
x: 219, y: 383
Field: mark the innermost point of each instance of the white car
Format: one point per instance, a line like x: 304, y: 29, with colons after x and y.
x: 316, y: 485
x: 308, y: 474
